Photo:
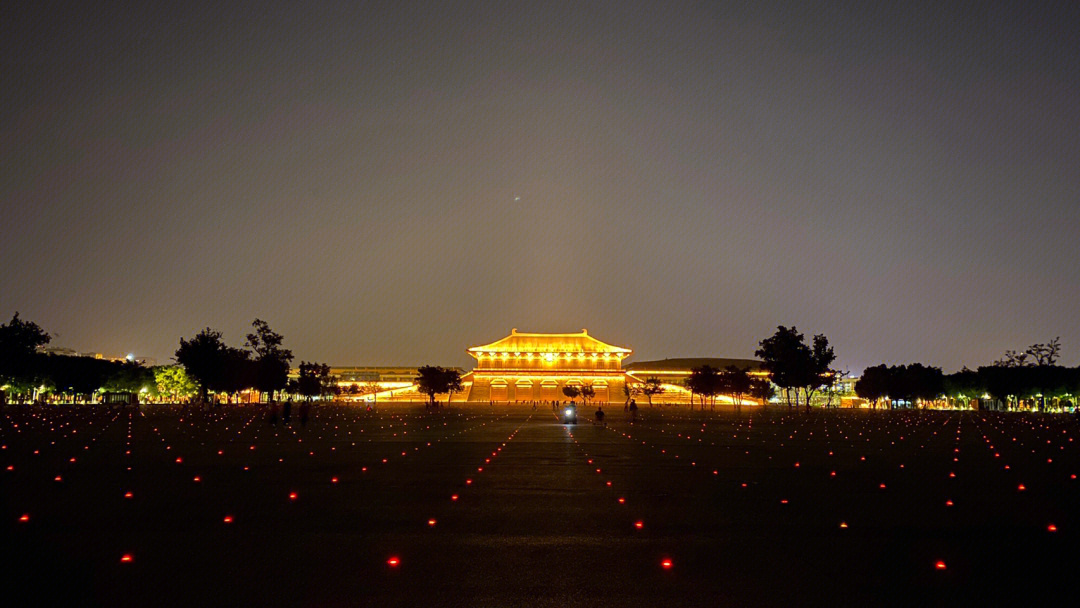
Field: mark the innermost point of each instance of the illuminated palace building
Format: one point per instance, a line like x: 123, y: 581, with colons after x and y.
x: 536, y: 367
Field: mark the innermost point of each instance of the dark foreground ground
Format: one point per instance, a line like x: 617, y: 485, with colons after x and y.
x: 759, y: 508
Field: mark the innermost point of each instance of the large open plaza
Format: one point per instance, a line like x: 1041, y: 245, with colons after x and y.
x: 481, y: 506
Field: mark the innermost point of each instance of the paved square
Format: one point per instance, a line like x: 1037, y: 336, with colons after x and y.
x: 481, y: 506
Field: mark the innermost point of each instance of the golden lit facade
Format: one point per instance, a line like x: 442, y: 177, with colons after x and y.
x: 524, y: 367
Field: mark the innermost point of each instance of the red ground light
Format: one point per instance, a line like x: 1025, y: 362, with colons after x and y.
x: 940, y: 565
x: 126, y: 558
x: 666, y: 564
x: 393, y: 562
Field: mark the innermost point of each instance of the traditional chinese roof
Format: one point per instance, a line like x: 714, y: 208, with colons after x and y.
x: 518, y: 342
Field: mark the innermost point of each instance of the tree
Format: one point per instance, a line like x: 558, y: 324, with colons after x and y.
x: 819, y: 369
x: 271, y: 360
x: 873, y: 384
x: 571, y: 391
x: 587, y: 393
x: 631, y: 390
x: 783, y: 355
x: 19, y: 359
x: 129, y: 378
x: 238, y: 372
x: 372, y: 388
x: 834, y: 387
x: 794, y: 365
x: 912, y: 384
x: 1036, y: 355
x: 1045, y: 354
x: 737, y: 381
x: 925, y: 383
x: 705, y: 382
x: 204, y: 360
x: 652, y: 387
x: 77, y: 376
x: 761, y: 389
x: 432, y: 380
x: 964, y: 387
x: 173, y: 381
x: 314, y: 380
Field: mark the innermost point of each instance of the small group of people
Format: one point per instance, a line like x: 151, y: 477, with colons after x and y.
x: 286, y: 412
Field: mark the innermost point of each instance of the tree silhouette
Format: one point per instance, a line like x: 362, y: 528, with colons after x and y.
x: 912, y: 384
x: 737, y: 382
x: 794, y: 365
x: 705, y: 382
x: 761, y: 389
x: 19, y: 359
x: 204, y: 360
x: 76, y: 376
x: 652, y: 387
x: 587, y: 393
x: 873, y: 384
x: 271, y: 360
x: 239, y: 372
x: 371, y: 388
x: 129, y: 377
x: 432, y: 380
x: 314, y: 380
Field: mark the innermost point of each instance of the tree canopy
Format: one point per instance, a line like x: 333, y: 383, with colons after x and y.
x: 736, y: 381
x: 173, y: 381
x: 19, y: 341
x: 652, y: 387
x: 271, y: 359
x: 705, y: 382
x: 205, y: 358
x: 908, y: 384
x: 314, y: 380
x: 794, y: 365
x: 433, y: 380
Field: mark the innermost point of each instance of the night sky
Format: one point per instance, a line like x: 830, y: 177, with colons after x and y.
x: 390, y: 183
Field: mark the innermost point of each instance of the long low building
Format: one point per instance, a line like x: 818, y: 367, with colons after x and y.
x: 526, y: 367
x: 672, y: 374
x: 674, y: 371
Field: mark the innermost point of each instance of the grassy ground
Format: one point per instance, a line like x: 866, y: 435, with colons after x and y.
x: 766, y: 507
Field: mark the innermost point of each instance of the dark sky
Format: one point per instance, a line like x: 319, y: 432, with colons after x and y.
x: 389, y: 183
